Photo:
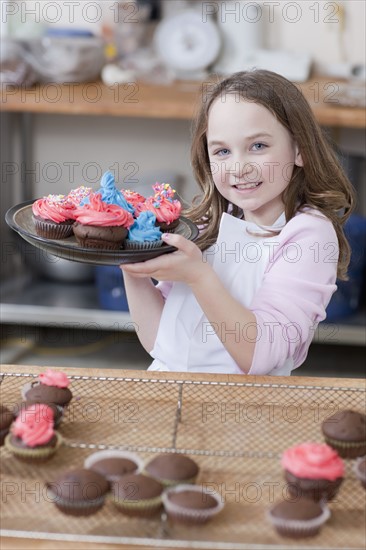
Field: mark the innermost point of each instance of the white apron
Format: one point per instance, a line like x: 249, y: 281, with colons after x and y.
x: 186, y: 342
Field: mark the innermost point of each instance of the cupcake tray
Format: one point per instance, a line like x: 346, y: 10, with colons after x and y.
x: 20, y: 219
x: 236, y: 432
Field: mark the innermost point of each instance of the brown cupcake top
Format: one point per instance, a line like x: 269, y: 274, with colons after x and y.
x: 79, y: 485
x: 193, y: 500
x: 135, y: 487
x: 346, y: 425
x: 41, y: 393
x: 113, y: 467
x: 301, y: 509
x: 172, y: 467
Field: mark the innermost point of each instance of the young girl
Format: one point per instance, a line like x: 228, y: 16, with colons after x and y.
x: 247, y: 296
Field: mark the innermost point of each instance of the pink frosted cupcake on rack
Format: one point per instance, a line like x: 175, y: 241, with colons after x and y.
x: 32, y: 437
x: 53, y: 216
x: 51, y: 386
x: 164, y: 206
x: 313, y: 470
x: 101, y: 225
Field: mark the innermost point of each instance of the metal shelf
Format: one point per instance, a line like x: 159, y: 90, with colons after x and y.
x: 41, y: 302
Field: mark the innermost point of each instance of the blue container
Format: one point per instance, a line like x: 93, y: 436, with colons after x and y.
x: 111, y: 288
x: 346, y: 300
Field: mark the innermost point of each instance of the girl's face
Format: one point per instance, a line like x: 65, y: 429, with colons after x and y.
x: 252, y: 157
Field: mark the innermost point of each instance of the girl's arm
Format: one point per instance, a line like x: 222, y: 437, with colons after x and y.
x: 146, y: 304
x: 229, y: 319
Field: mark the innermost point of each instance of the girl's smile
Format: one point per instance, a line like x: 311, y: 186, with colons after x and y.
x: 245, y: 187
x: 252, y: 157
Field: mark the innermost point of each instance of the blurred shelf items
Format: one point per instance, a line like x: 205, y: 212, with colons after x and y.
x: 168, y: 50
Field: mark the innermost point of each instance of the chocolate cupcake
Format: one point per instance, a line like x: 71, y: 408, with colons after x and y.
x: 32, y: 437
x: 114, y: 464
x: 6, y: 419
x: 165, y: 207
x: 360, y: 470
x: 53, y: 216
x: 107, y: 238
x: 50, y: 387
x: 101, y: 225
x: 172, y: 469
x: 137, y: 495
x: 78, y: 492
x: 143, y: 234
x: 298, y: 519
x: 345, y: 431
x: 191, y: 504
x: 313, y: 470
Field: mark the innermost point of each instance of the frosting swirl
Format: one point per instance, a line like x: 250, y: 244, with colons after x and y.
x: 56, y: 208
x: 165, y: 210
x: 54, y: 378
x: 35, y: 426
x: 313, y: 461
x: 110, y: 193
x: 144, y: 228
x: 102, y: 214
x: 135, y: 199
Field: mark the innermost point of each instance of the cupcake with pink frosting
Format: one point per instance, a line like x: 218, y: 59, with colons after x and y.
x: 313, y: 470
x: 101, y: 225
x: 32, y: 437
x: 51, y: 386
x: 164, y: 206
x: 53, y: 216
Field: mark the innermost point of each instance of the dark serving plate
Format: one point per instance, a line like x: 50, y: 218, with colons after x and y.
x: 20, y: 219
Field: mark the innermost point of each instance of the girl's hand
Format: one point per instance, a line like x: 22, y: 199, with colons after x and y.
x: 186, y: 265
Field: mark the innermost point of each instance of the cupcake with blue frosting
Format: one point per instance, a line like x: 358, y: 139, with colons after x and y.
x: 144, y: 234
x: 110, y: 194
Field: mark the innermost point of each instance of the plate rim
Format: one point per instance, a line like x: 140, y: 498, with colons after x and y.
x: 100, y: 253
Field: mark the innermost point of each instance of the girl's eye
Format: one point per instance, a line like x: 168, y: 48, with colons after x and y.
x: 259, y: 146
x: 222, y: 152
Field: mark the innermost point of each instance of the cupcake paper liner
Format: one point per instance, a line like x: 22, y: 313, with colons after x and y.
x: 101, y: 455
x: 168, y: 228
x: 33, y: 454
x: 99, y: 245
x: 77, y: 507
x: 347, y: 449
x: 145, y: 507
x: 299, y: 528
x: 53, y: 230
x: 315, y: 489
x: 145, y: 245
x: 189, y: 515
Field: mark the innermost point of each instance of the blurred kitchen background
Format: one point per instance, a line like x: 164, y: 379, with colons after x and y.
x: 63, y: 313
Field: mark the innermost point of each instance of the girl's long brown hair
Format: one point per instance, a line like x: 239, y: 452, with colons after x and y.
x: 321, y: 183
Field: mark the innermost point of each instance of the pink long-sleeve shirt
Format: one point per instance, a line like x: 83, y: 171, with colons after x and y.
x: 286, y: 280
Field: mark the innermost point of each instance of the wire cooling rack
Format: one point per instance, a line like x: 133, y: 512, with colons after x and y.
x: 236, y: 432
